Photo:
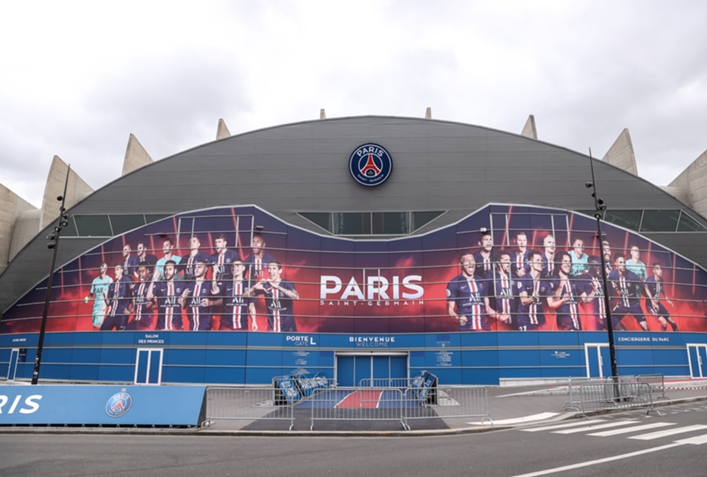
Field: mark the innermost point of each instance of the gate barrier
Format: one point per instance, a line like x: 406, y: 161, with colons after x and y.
x: 574, y: 398
x: 656, y: 382
x: 247, y: 404
x: 365, y: 403
x: 398, y: 404
x: 616, y: 395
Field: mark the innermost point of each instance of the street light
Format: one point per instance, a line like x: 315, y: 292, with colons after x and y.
x: 599, y: 208
x: 53, y: 244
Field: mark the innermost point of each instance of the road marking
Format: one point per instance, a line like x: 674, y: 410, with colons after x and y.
x: 606, y: 459
x: 694, y: 440
x: 626, y: 430
x: 518, y: 420
x: 562, y: 426
x: 669, y: 432
x: 592, y: 428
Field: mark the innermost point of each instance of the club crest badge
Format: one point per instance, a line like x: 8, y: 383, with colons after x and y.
x: 119, y: 404
x: 370, y: 165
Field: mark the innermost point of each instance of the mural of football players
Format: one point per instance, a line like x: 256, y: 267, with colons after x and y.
x: 120, y: 298
x: 167, y: 255
x: 467, y: 297
x: 655, y: 287
x: 564, y: 297
x: 259, y: 259
x: 592, y: 294
x: 198, y: 297
x: 147, y: 258
x: 484, y: 256
x: 625, y: 286
x: 520, y: 255
x: 634, y: 263
x: 279, y: 294
x: 189, y: 261
x: 141, y: 307
x: 532, y: 291
x: 549, y: 255
x: 99, y: 293
x: 129, y: 262
x: 238, y: 301
x: 167, y: 294
x: 223, y: 258
x: 503, y: 303
x: 579, y: 258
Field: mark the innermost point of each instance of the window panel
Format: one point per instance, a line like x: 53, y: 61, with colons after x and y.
x: 419, y: 219
x: 322, y: 219
x: 93, y: 225
x: 631, y: 219
x: 123, y: 223
x: 688, y: 224
x: 70, y: 229
x: 660, y: 220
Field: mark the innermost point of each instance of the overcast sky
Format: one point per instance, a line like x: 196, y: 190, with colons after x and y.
x: 76, y: 78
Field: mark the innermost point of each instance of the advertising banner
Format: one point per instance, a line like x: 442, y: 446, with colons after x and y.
x: 104, y: 405
x: 503, y: 268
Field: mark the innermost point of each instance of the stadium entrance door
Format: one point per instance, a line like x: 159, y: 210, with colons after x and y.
x: 351, y: 368
x: 697, y: 357
x: 597, y: 359
x: 12, y: 365
x: 148, y: 366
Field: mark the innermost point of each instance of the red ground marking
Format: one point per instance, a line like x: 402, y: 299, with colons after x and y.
x: 361, y: 399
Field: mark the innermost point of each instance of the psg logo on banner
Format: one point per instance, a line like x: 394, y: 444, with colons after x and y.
x: 370, y: 165
x: 119, y: 404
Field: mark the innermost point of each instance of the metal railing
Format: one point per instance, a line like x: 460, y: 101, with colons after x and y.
x: 656, y: 382
x: 573, y: 385
x: 247, y: 404
x: 453, y: 402
x: 356, y: 404
x: 613, y: 395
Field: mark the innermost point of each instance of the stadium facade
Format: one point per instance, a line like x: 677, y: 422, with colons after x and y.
x: 362, y: 247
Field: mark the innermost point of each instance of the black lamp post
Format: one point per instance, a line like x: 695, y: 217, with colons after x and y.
x: 599, y: 208
x: 53, y: 244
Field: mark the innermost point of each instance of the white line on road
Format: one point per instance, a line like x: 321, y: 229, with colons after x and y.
x: 627, y: 430
x: 562, y: 426
x: 669, y: 432
x: 518, y: 420
x: 692, y: 440
x: 592, y: 428
x: 601, y: 461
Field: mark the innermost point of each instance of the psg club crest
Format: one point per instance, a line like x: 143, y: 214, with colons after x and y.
x: 370, y: 165
x: 119, y: 404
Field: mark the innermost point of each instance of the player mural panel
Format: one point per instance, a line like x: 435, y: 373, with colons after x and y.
x: 241, y: 269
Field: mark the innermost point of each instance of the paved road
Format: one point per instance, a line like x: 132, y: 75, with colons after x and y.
x: 510, y: 452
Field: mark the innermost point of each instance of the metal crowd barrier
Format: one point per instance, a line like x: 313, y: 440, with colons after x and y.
x: 365, y: 403
x: 360, y: 403
x: 656, y: 382
x: 614, y: 395
x: 357, y: 404
x: 573, y: 401
x: 249, y: 404
x: 454, y: 402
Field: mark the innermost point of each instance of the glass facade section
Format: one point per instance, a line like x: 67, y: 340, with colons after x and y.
x: 420, y: 219
x: 124, y: 223
x: 688, y: 224
x: 93, y: 225
x: 322, y: 219
x: 631, y: 219
x: 660, y: 220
